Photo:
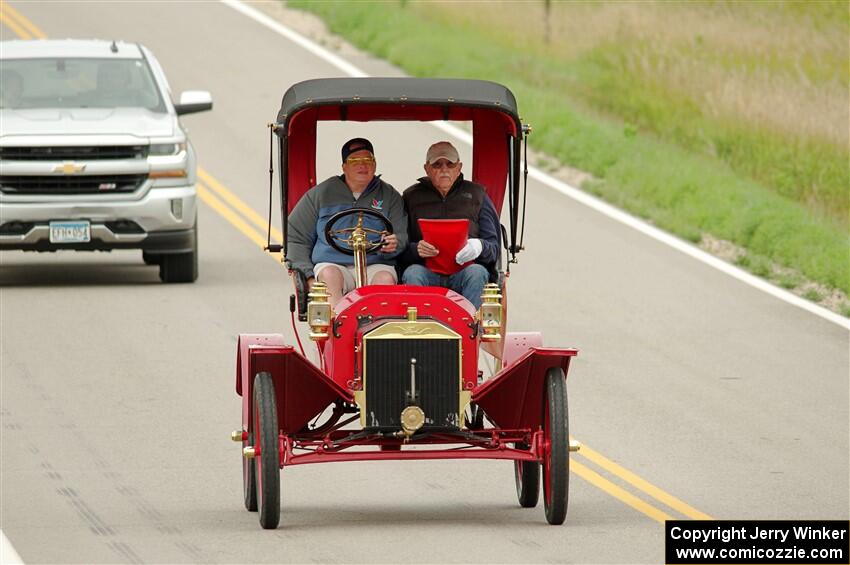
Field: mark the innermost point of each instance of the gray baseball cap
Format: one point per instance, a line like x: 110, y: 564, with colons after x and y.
x: 442, y: 150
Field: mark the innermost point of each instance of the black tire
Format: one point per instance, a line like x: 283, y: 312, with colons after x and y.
x: 556, y: 460
x: 267, y: 465
x: 151, y: 258
x: 180, y: 267
x: 249, y: 480
x: 527, y: 476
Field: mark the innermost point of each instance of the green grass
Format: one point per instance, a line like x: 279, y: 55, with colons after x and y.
x: 714, y: 117
x: 809, y: 169
x: 813, y: 295
x: 789, y: 281
x: 756, y: 264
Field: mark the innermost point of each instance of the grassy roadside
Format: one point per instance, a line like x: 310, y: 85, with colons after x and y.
x: 731, y: 123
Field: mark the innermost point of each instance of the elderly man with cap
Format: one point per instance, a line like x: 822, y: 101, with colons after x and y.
x: 444, y: 194
x: 356, y: 187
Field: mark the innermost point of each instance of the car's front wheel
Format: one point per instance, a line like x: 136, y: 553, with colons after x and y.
x: 267, y: 464
x: 556, y: 457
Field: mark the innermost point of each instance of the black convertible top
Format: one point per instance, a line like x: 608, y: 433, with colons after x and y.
x: 414, y: 91
x: 488, y: 107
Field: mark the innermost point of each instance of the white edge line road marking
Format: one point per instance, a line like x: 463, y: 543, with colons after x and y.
x: 297, y: 38
x: 565, y: 189
x: 8, y: 555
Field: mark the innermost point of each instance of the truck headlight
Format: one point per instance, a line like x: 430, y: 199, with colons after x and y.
x: 490, y: 313
x: 319, y: 312
x: 158, y: 149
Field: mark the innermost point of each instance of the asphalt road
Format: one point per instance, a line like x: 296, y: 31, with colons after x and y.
x: 118, y: 398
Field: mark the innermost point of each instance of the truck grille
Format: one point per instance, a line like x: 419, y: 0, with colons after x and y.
x: 82, y: 153
x: 71, y: 184
x: 387, y: 380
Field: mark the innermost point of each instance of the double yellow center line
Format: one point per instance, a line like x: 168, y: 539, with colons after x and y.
x: 16, y: 22
x: 234, y: 210
x: 588, y: 464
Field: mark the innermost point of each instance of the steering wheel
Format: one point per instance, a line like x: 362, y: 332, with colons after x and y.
x: 336, y: 238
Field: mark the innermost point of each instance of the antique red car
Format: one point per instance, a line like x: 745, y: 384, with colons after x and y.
x: 398, y: 374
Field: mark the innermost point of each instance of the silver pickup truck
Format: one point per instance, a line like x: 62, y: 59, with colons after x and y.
x: 93, y: 156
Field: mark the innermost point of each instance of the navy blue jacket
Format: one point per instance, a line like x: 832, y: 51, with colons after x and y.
x: 307, y: 246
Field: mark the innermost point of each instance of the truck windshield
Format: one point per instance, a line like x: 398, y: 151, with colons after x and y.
x: 78, y: 83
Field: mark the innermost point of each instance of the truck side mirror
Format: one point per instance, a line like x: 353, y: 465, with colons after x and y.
x: 193, y: 101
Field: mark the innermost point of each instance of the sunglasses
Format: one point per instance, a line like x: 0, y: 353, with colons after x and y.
x: 360, y: 161
x: 443, y: 165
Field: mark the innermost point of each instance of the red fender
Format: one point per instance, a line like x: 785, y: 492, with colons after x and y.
x: 302, y: 391
x: 242, y: 358
x: 517, y: 343
x: 513, y: 398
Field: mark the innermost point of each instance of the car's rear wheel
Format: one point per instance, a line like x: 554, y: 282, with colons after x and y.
x: 476, y: 418
x: 527, y: 476
x: 249, y: 480
x: 180, y: 267
x: 267, y: 465
x: 556, y: 460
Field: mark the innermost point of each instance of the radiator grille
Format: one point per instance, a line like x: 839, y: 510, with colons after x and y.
x: 70, y: 184
x: 387, y: 380
x: 72, y: 153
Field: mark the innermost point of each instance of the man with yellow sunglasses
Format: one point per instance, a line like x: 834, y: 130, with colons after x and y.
x: 357, y: 187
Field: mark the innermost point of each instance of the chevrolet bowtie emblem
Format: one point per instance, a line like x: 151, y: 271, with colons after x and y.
x: 69, y: 168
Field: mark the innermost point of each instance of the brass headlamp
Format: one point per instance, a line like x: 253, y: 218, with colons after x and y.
x: 490, y: 313
x: 319, y: 312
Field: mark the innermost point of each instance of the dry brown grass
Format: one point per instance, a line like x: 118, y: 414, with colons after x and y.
x: 779, y: 65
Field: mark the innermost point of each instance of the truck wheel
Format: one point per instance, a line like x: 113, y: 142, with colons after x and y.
x: 527, y: 476
x: 151, y: 258
x: 180, y: 267
x: 556, y: 460
x: 267, y: 465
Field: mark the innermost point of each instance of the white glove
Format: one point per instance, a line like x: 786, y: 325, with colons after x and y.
x: 470, y: 251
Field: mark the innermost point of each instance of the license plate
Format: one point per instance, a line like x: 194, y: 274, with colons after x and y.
x: 70, y: 232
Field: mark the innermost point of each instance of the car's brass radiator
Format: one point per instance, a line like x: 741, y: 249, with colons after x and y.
x: 387, y: 379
